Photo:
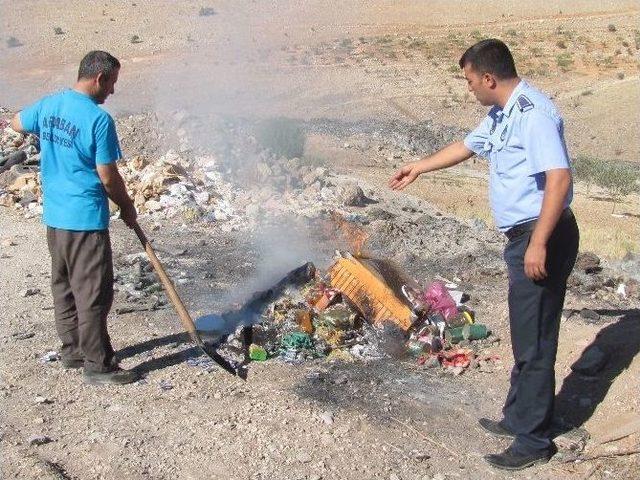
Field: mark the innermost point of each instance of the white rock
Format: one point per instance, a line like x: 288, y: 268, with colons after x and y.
x: 327, y: 417
x: 153, y: 205
x: 202, y: 198
x: 622, y: 290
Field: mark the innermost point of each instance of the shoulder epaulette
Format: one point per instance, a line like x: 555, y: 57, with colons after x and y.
x: 524, y: 104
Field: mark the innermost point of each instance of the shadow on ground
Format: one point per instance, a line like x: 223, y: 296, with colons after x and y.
x: 164, y: 361
x: 581, y: 394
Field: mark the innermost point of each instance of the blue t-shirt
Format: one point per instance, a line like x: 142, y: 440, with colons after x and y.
x: 76, y: 135
x: 522, y: 141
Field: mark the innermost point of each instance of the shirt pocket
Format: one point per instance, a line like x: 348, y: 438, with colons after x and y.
x: 507, y: 149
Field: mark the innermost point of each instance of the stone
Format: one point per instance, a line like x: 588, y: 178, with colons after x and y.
x: 479, y: 224
x: 304, y: 457
x: 351, y: 195
x: 7, y: 200
x: 165, y: 385
x: 24, y: 180
x: 27, y: 198
x: 632, y: 288
x: 592, y: 361
x: 201, y: 198
x: 574, y: 440
x: 327, y: 417
x: 309, y: 178
x: 23, y: 335
x: 29, y: 292
x: 8, y: 243
x: 589, y: 315
x: 153, y: 205
x: 588, y: 262
x: 36, y: 440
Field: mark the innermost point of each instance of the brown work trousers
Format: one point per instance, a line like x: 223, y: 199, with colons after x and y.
x: 82, y: 287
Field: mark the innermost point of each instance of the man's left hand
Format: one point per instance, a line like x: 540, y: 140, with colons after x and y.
x: 534, y: 261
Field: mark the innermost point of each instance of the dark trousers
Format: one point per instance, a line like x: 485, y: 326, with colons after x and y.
x: 534, y: 317
x: 82, y: 287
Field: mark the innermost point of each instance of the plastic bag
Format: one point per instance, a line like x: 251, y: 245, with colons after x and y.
x: 439, y: 300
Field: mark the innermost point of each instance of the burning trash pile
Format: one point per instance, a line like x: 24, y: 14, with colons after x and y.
x: 359, y: 309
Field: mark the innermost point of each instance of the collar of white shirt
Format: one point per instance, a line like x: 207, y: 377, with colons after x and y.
x: 506, y: 111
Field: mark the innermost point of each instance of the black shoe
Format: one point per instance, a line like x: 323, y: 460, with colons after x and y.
x: 79, y: 362
x: 69, y: 363
x: 510, y: 460
x: 495, y: 428
x: 117, y: 376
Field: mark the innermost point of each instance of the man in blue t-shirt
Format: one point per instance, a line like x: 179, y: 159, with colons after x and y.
x: 530, y: 189
x: 79, y: 150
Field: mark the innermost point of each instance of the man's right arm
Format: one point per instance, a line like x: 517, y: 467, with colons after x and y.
x: 117, y: 192
x: 447, y: 157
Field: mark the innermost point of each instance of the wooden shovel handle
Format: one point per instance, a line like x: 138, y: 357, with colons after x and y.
x: 185, y: 318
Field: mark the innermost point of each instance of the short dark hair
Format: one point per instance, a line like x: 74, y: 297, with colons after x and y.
x: 96, y: 62
x: 490, y: 56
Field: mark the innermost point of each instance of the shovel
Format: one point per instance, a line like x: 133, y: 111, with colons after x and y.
x: 234, y: 369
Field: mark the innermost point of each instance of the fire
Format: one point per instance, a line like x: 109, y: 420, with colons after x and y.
x: 355, y: 236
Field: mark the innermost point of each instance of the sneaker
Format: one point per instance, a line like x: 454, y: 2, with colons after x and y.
x: 117, y: 376
x: 70, y: 363
x: 510, y: 460
x: 495, y: 428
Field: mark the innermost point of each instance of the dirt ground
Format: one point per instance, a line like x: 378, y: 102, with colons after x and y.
x: 354, y: 73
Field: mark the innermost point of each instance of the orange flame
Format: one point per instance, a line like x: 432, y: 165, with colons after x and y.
x: 354, y: 235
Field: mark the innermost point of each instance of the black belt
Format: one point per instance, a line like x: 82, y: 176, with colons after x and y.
x: 515, y: 232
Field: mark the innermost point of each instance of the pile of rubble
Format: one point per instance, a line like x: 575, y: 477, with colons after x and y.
x: 171, y: 185
x: 617, y: 286
x: 191, y: 185
x: 356, y: 311
x: 19, y: 167
x: 168, y: 185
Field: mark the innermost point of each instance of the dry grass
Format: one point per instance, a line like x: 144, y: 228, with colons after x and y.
x: 466, y: 196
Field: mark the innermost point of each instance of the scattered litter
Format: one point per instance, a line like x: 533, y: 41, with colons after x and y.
x: 203, y: 362
x: 297, y: 341
x: 51, y: 356
x: 256, y: 352
x: 439, y: 300
x: 165, y: 385
x: 457, y: 357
